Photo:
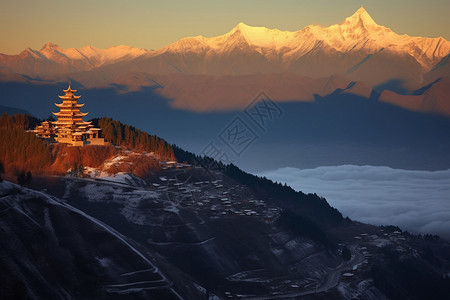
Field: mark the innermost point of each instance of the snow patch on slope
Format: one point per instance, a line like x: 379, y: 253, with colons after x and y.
x: 93, y: 56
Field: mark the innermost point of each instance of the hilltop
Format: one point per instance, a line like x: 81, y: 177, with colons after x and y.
x: 22, y: 151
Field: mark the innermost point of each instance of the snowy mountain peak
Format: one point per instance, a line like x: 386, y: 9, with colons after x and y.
x: 241, y: 26
x: 261, y: 49
x: 28, y: 52
x: 360, y: 17
x: 359, y: 32
x: 261, y: 36
x: 50, y: 46
x: 247, y: 31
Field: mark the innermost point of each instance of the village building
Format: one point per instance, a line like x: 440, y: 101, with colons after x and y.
x: 70, y: 127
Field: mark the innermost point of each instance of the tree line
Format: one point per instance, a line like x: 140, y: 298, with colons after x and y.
x: 128, y: 136
x: 22, y: 152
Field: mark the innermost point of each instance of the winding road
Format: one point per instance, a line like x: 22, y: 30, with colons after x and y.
x: 331, y: 281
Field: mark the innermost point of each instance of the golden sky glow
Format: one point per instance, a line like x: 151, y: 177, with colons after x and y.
x: 154, y: 24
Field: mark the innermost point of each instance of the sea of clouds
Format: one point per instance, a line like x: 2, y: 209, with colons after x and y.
x: 417, y: 201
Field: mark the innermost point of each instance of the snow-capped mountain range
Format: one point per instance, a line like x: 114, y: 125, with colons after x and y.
x: 358, y: 49
x: 357, y: 33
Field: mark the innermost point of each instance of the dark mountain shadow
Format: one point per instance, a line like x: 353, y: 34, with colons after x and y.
x: 348, y: 129
x: 425, y: 88
x: 12, y: 110
x: 395, y: 85
x: 338, y: 129
x: 355, y: 67
x: 444, y: 61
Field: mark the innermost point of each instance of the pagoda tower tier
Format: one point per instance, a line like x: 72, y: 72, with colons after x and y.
x: 61, y: 105
x: 70, y: 115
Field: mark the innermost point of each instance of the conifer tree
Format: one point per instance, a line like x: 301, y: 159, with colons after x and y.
x: 2, y: 171
x: 21, y: 178
x: 28, y: 178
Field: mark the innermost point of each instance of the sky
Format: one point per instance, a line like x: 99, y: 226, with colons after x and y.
x: 153, y: 24
x: 417, y: 201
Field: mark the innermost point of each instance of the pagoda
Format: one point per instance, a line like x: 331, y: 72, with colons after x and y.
x: 70, y: 127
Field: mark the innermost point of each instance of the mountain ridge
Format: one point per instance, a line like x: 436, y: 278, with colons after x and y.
x: 357, y: 49
x: 357, y: 32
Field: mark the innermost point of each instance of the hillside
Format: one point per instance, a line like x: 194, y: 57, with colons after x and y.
x: 58, y: 251
x: 244, y: 236
x: 22, y: 151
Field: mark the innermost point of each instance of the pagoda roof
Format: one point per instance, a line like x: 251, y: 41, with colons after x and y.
x: 69, y: 89
x: 84, y: 123
x: 71, y: 122
x: 70, y: 113
x: 65, y: 106
x: 63, y: 123
x: 69, y: 97
x: 69, y: 108
x: 62, y: 113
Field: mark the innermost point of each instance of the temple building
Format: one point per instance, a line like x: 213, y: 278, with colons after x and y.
x: 70, y: 127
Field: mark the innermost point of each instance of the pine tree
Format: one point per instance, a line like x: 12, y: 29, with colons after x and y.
x: 2, y: 171
x: 28, y: 178
x: 128, y: 136
x: 21, y: 178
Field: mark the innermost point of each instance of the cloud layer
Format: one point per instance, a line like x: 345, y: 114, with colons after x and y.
x: 417, y: 201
